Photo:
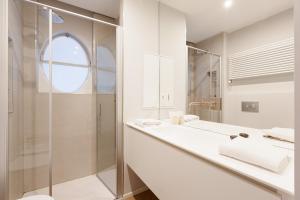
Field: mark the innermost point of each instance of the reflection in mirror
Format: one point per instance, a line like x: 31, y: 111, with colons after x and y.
x: 204, y: 91
x: 228, y: 86
x: 239, y: 68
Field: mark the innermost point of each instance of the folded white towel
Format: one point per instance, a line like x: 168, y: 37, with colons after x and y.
x: 147, y: 122
x: 188, y: 118
x: 250, y: 151
x: 282, y: 133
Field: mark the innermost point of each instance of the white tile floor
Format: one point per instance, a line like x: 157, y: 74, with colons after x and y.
x: 87, y: 188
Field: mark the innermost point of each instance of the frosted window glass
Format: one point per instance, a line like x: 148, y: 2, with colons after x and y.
x: 67, y: 54
x: 66, y: 49
x: 67, y: 78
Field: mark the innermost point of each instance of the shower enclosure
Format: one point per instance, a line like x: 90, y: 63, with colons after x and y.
x: 204, y: 84
x: 64, y: 105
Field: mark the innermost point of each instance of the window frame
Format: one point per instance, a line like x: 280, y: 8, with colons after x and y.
x: 42, y: 61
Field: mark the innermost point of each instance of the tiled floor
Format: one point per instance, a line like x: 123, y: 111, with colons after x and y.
x: 147, y: 195
x: 109, y: 177
x: 87, y: 188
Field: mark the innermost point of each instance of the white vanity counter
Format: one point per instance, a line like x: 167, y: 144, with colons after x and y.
x: 204, y: 144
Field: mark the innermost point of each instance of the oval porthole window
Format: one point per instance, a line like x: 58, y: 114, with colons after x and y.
x: 70, y: 63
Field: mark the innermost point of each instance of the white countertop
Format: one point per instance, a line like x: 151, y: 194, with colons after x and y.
x: 204, y: 144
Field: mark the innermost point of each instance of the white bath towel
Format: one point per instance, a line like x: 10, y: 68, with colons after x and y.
x: 147, y: 122
x: 188, y: 118
x: 250, y: 151
x: 281, y: 133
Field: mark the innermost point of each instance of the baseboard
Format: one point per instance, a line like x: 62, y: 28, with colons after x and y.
x: 135, y: 192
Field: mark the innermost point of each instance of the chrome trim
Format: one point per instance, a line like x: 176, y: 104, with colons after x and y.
x: 71, y: 13
x: 50, y: 104
x: 159, y: 56
x: 204, y: 51
x: 66, y: 64
x: 221, y: 89
x: 119, y: 112
x: 210, y: 84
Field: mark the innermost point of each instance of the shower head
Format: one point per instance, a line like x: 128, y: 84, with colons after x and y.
x: 56, y: 19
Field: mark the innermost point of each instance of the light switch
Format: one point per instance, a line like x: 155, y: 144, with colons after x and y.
x: 250, y: 106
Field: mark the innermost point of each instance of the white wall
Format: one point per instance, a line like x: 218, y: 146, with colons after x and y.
x: 140, y: 24
x: 172, y: 41
x: 275, y: 94
x: 141, y: 36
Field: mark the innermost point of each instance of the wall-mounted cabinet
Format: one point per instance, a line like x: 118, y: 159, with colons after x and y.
x: 167, y: 76
x: 151, y: 82
x: 164, y: 73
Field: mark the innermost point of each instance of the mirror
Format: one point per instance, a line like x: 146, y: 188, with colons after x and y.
x: 228, y: 62
x: 172, y: 65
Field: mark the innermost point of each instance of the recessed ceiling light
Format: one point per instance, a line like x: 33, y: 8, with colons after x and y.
x: 228, y: 3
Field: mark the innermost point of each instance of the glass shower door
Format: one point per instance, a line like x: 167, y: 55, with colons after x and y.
x: 105, y: 51
x: 215, y: 90
x: 36, y: 105
x: 204, y: 93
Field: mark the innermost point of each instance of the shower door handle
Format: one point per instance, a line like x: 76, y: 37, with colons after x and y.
x: 100, y: 109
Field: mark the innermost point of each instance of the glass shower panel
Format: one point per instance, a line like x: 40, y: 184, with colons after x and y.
x: 105, y: 51
x: 204, y: 94
x: 74, y: 100
x: 36, y: 105
x: 199, y: 70
x: 74, y: 113
x: 15, y: 123
x: 215, y: 95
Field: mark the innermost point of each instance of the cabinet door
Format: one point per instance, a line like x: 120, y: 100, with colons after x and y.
x: 166, y: 82
x: 151, y: 82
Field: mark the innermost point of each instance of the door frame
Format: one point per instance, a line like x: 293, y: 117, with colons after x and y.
x: 4, y: 99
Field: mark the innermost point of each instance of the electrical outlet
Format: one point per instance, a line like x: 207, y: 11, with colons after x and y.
x: 250, y: 106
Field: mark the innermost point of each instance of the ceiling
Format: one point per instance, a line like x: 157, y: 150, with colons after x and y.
x: 206, y: 18
x: 106, y: 7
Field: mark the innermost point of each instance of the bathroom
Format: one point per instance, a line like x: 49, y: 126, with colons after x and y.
x: 148, y: 99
